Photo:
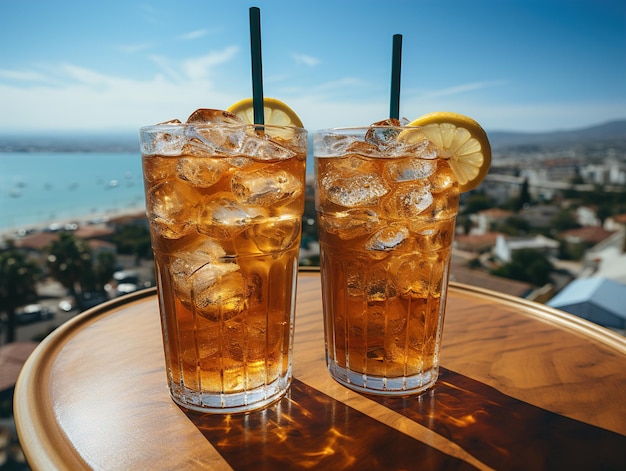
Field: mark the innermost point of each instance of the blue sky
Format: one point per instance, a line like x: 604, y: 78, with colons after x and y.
x: 522, y: 65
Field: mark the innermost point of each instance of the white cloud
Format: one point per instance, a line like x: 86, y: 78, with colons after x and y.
x: 199, y: 68
x: 23, y: 75
x: 72, y: 97
x: 75, y: 97
x: 305, y: 59
x: 199, y: 33
x: 462, y: 88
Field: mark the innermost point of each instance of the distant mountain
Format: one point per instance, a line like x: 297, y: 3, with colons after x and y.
x: 609, y: 131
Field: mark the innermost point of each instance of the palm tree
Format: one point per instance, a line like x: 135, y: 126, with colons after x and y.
x: 103, y: 269
x: 18, y: 280
x: 69, y: 262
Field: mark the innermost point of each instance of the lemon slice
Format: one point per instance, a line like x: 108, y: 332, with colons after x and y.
x: 275, y: 111
x: 459, y: 139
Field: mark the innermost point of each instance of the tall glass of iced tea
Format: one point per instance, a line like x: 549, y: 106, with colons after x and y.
x: 386, y: 208
x: 225, y: 201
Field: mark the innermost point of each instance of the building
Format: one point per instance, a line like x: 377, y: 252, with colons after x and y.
x: 506, y: 246
x: 596, y: 299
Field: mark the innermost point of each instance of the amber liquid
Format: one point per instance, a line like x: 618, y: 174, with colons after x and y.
x: 384, y: 260
x: 226, y: 237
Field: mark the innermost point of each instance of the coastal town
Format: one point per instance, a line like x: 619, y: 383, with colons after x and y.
x: 548, y: 224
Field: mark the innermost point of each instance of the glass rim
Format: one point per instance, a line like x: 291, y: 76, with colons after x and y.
x: 164, y: 127
x: 354, y: 129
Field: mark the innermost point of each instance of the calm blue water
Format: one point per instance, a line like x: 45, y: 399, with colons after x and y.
x: 42, y: 188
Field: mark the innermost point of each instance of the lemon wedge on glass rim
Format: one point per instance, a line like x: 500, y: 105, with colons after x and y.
x: 460, y: 140
x: 275, y: 111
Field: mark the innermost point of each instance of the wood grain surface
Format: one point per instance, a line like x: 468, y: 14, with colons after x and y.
x: 522, y: 386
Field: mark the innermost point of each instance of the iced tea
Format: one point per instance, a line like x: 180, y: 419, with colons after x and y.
x: 386, y: 213
x: 225, y: 202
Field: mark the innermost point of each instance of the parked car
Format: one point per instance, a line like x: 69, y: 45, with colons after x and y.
x: 33, y: 313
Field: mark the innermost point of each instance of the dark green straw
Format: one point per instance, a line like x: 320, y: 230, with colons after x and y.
x: 257, y: 69
x: 396, y: 63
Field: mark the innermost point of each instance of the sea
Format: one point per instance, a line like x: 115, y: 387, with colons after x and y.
x: 46, y: 189
x: 41, y: 190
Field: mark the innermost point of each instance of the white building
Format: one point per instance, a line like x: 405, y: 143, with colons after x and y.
x: 505, y: 247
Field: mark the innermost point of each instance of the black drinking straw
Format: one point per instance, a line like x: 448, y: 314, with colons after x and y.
x: 257, y: 69
x: 396, y: 63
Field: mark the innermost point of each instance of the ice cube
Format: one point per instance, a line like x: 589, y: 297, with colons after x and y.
x: 211, y: 141
x: 388, y: 238
x: 201, y: 172
x: 168, y: 141
x: 219, y: 291
x: 330, y: 145
x: 444, y: 178
x: 212, y: 116
x: 350, y: 224
x: 434, y: 236
x: 383, y: 133
x: 266, y: 187
x: 223, y: 217
x: 379, y: 286
x: 445, y: 205
x: 202, y: 252
x: 354, y: 191
x: 240, y: 162
x: 276, y: 234
x: 261, y: 147
x: 157, y: 168
x: 172, y: 207
x: 408, y: 201
x: 413, y: 275
x: 410, y: 169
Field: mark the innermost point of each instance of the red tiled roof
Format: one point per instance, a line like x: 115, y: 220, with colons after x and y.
x: 588, y: 234
x: 37, y: 241
x: 476, y: 242
x: 496, y: 213
x: 621, y: 218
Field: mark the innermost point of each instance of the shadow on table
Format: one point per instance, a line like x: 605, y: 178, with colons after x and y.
x: 310, y: 430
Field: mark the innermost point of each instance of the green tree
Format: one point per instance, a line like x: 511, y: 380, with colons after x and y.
x: 133, y: 239
x: 476, y: 202
x: 524, y: 196
x: 564, y: 220
x: 527, y: 265
x: 104, y: 265
x: 69, y: 262
x: 18, y: 280
x: 515, y: 225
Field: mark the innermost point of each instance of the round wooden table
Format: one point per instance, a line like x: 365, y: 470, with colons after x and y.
x: 522, y: 386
